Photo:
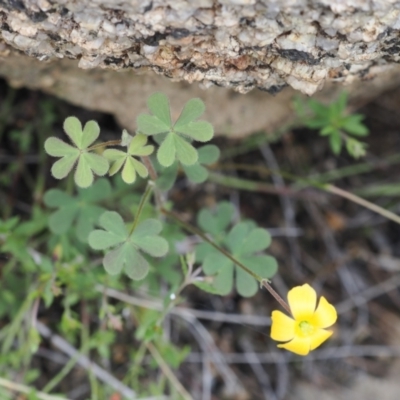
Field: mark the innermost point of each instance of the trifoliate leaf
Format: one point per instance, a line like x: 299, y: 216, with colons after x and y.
x: 196, y: 173
x: 175, y: 144
x: 242, y: 241
x: 88, y: 163
x: 80, y: 210
x: 216, y: 222
x: 125, y: 255
x: 127, y: 161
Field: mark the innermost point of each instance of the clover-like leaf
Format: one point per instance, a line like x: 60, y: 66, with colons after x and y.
x: 208, y: 155
x: 175, y: 144
x: 127, y: 161
x: 125, y: 254
x: 80, y: 210
x: 216, y: 222
x: 244, y: 241
x: 196, y: 173
x: 87, y: 162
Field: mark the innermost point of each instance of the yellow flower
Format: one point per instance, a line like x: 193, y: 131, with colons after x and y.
x: 306, y: 330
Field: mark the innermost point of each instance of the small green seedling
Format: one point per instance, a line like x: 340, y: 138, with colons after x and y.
x: 333, y: 122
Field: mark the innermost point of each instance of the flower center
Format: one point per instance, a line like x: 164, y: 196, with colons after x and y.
x: 305, y: 328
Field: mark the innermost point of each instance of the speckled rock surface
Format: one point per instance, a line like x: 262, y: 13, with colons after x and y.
x: 242, y: 44
x: 124, y: 93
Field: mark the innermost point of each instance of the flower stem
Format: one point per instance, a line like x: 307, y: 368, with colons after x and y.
x: 142, y: 203
x: 105, y: 144
x: 278, y: 298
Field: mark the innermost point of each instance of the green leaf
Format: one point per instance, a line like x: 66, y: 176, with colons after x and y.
x: 130, y: 165
x: 138, y: 268
x: 91, y: 132
x: 167, y: 177
x: 223, y: 280
x: 214, y: 262
x: 257, y: 240
x: 115, y: 260
x: 80, y: 210
x: 88, y: 163
x: 246, y: 285
x: 101, y: 240
x: 201, y: 131
x: 138, y: 146
x: 126, y: 257
x: 217, y: 221
x: 208, y: 154
x: 263, y: 265
x: 83, y: 174
x: 151, y: 125
x: 145, y: 237
x: 149, y: 227
x: 166, y: 152
x: 185, y: 152
x: 154, y: 245
x: 111, y: 221
x: 73, y: 128
x: 339, y: 106
x: 335, y: 142
x: 57, y: 148
x: 237, y: 235
x: 196, y: 173
x: 56, y: 198
x: 159, y: 105
x: 63, y: 166
x: 100, y: 190
x: 329, y: 130
x: 129, y: 171
x: 139, y: 167
x: 352, y: 124
x: 192, y: 110
x: 61, y: 220
x: 243, y: 240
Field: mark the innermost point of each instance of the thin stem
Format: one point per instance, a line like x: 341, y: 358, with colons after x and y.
x: 104, y: 144
x: 278, y: 298
x: 142, y: 203
x: 167, y: 372
x: 198, y: 232
x: 362, y: 202
x: 318, y: 185
x: 153, y: 175
x: 149, y: 165
x: 16, y: 387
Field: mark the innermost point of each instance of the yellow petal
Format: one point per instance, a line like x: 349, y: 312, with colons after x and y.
x: 325, y: 315
x: 298, y: 345
x: 283, y: 327
x: 302, y: 301
x: 319, y: 337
